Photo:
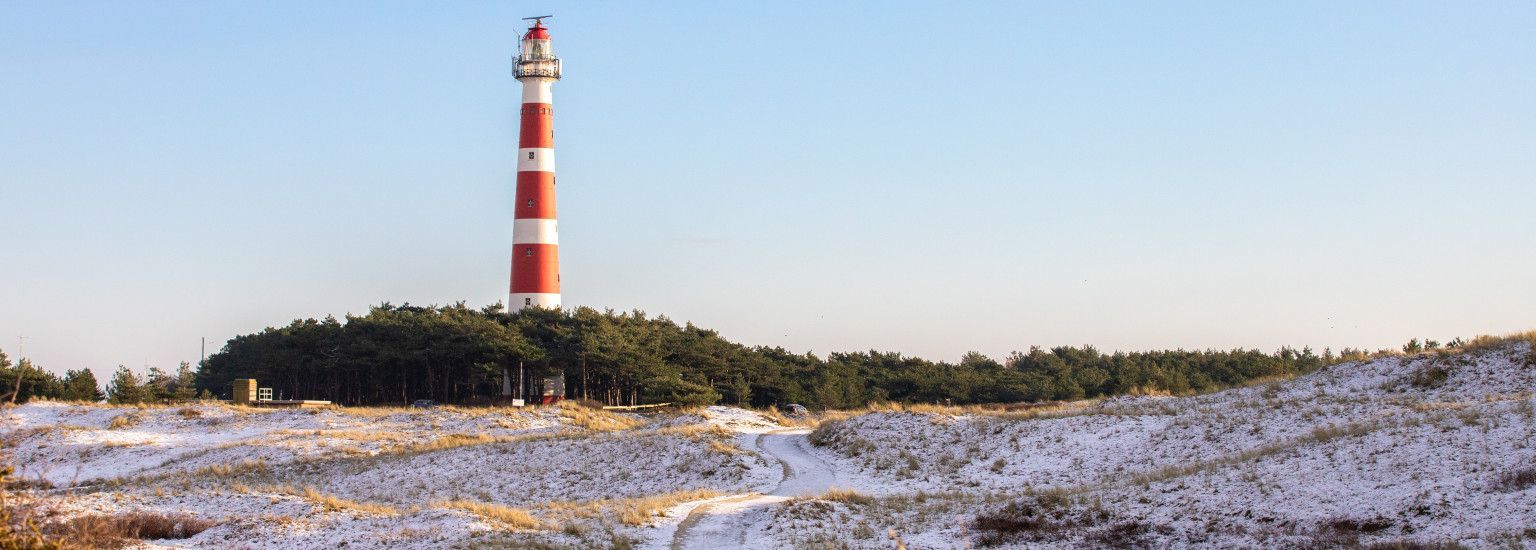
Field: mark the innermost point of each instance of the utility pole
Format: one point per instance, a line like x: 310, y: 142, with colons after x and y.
x: 21, y: 357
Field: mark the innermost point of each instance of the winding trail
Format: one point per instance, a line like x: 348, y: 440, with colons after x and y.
x: 718, y: 524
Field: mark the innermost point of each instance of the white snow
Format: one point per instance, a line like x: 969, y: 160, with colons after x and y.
x: 1399, y: 449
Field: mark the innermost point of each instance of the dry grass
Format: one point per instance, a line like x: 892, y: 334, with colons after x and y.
x: 189, y: 412
x: 694, y: 431
x: 125, y: 420
x: 450, y: 441
x: 850, y: 496
x: 629, y: 511
x: 350, y: 435
x: 17, y: 528
x: 1485, y: 344
x: 596, y: 420
x: 116, y: 531
x: 773, y: 413
x: 513, y: 517
x: 724, y: 448
x: 337, y: 504
x: 230, y: 470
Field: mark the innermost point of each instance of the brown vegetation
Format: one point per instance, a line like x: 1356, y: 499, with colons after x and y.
x: 511, y: 517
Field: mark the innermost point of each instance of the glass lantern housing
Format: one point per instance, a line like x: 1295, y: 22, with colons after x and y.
x: 536, y: 59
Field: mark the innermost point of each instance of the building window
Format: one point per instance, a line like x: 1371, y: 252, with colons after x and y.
x: 530, y: 203
x: 530, y: 155
x: 527, y: 301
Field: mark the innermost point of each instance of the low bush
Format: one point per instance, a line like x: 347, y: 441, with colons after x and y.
x: 1516, y: 480
x: 1432, y: 376
x: 116, y: 531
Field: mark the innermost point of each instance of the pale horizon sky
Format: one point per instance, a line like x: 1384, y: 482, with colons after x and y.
x: 927, y: 178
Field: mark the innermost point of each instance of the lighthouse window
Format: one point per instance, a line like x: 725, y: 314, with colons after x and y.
x: 530, y: 203
x: 528, y: 251
x: 527, y: 301
x: 530, y: 155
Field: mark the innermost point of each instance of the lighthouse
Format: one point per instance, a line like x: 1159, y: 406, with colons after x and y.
x: 535, y: 238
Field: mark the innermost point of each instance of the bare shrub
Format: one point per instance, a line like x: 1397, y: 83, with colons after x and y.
x: 189, y: 413
x: 116, y: 531
x: 1037, y: 518
x: 1357, y: 525
x: 824, y: 434
x: 17, y: 529
x: 1516, y: 480
x: 1414, y: 545
x: 1432, y: 376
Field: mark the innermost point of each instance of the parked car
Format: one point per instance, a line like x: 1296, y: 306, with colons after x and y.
x: 796, y: 410
x: 423, y: 404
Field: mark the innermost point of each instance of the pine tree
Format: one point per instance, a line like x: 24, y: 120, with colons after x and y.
x: 126, y: 388
x: 80, y: 385
x: 157, y: 384
x: 185, y: 387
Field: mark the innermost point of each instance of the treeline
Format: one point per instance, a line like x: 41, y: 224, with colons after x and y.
x: 454, y: 354
x: 24, y: 381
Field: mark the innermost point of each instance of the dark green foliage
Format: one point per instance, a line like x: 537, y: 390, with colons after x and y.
x: 24, y: 381
x: 80, y: 385
x: 453, y: 354
x: 127, y: 388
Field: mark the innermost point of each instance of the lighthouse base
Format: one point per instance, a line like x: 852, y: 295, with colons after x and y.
x: 520, y: 300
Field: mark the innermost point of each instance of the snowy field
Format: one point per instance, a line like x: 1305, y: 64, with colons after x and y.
x: 1425, y: 449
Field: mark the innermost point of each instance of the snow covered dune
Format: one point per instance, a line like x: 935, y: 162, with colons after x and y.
x: 1417, y: 449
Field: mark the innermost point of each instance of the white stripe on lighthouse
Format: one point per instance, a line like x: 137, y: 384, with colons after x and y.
x: 536, y: 90
x: 535, y: 231
x: 524, y: 299
x: 536, y: 160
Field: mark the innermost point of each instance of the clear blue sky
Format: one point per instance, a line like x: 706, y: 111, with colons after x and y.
x: 920, y: 177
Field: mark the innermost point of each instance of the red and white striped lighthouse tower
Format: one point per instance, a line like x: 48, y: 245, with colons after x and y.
x: 535, y: 241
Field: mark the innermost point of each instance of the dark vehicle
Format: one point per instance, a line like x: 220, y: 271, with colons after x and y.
x: 796, y: 410
x: 423, y: 404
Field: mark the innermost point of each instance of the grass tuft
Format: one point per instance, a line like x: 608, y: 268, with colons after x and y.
x: 513, y: 517
x: 596, y: 420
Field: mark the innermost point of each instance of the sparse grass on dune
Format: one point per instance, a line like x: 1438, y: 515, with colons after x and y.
x: 230, y: 470
x: 842, y: 494
x: 331, y: 502
x: 506, y: 515
x: 126, y: 420
x: 725, y: 448
x: 773, y: 413
x: 1486, y: 343
x: 629, y: 511
x: 596, y: 420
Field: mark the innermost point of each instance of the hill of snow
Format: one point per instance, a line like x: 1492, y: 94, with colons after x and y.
x: 1427, y: 449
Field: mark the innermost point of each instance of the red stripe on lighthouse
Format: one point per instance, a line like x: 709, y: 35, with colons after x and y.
x: 535, y: 195
x: 538, y: 126
x: 535, y: 268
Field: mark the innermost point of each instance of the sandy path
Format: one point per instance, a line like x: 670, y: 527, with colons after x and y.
x: 718, y: 524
